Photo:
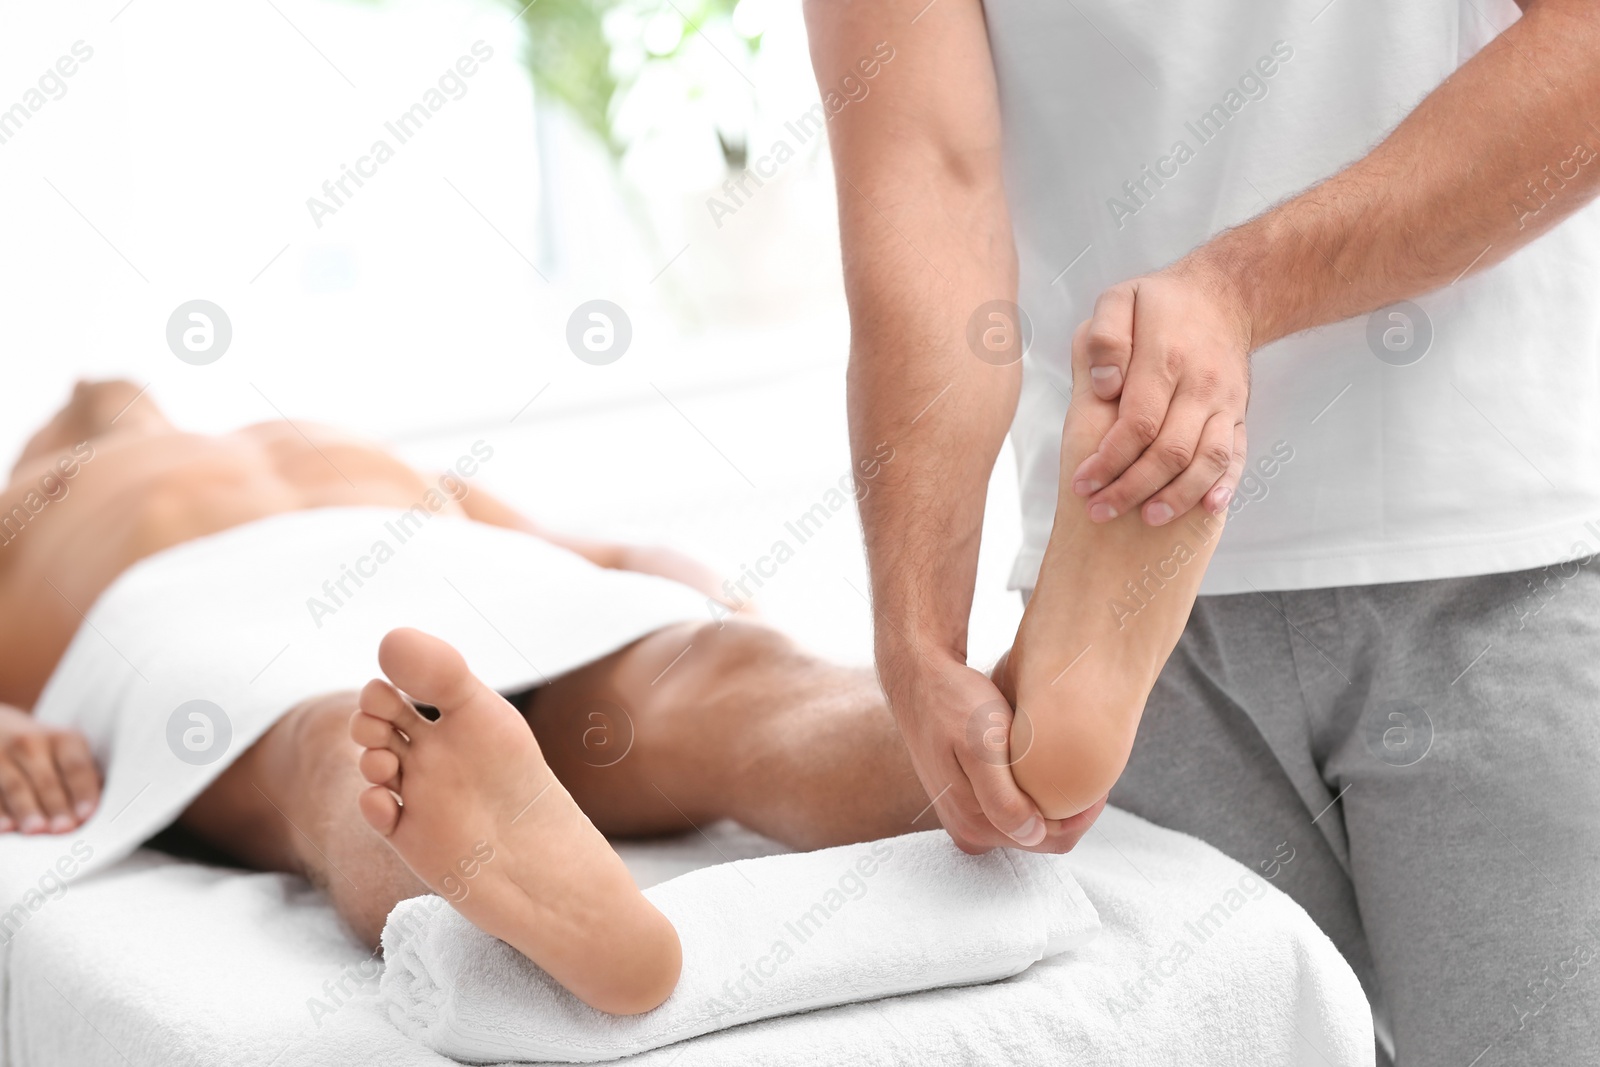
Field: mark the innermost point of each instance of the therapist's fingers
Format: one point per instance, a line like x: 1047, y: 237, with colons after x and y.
x: 1217, y: 498
x: 78, y: 773
x: 20, y: 803
x: 1108, y: 343
x: 1141, y: 417
x: 1192, y: 474
x: 1065, y: 834
x: 1004, y: 804
x: 1153, y: 468
x: 33, y: 754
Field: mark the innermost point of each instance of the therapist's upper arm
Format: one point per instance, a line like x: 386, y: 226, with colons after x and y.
x: 912, y: 105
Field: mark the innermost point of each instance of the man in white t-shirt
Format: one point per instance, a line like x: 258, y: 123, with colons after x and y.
x: 1371, y: 221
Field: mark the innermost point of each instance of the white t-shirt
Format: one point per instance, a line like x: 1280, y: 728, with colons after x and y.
x: 1137, y: 129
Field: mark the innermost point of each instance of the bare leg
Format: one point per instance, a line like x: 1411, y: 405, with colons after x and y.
x: 289, y: 804
x: 697, y: 722
x: 743, y: 725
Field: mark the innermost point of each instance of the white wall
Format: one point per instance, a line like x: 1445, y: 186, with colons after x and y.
x: 178, y: 163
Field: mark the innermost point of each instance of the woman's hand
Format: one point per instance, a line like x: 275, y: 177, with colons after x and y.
x: 48, y: 780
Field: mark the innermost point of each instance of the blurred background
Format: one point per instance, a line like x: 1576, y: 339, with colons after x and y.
x: 196, y: 152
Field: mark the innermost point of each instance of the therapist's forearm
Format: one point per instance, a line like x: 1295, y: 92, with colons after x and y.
x: 945, y: 414
x: 1495, y: 156
x: 927, y: 242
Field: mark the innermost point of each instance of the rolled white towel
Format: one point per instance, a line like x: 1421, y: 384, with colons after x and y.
x: 761, y: 937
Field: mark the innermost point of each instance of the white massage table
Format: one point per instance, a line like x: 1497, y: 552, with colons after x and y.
x: 159, y: 962
x: 164, y: 962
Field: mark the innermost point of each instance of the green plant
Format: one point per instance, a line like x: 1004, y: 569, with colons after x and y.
x: 574, y: 47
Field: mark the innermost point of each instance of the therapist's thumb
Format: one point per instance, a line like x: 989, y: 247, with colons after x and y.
x: 1006, y: 807
x: 1103, y: 345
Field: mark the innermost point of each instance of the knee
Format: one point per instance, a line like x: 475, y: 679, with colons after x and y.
x: 703, y: 658
x: 738, y: 644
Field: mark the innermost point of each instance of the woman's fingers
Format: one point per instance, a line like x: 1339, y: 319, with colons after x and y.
x: 22, y: 807
x: 48, y: 782
x: 35, y: 757
x: 78, y: 773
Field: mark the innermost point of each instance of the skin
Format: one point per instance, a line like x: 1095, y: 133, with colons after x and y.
x: 1111, y: 602
x: 724, y: 720
x: 138, y: 485
x: 927, y: 239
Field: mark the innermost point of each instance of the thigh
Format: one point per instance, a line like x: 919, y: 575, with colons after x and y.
x: 1473, y: 813
x: 1201, y: 765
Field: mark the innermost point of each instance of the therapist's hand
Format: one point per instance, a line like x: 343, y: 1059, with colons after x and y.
x: 48, y: 780
x: 1175, y: 348
x: 946, y: 712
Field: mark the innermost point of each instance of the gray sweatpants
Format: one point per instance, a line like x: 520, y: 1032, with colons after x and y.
x: 1418, y: 765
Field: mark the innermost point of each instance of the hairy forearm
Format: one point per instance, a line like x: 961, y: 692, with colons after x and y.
x: 927, y: 243
x: 914, y: 385
x: 1495, y: 156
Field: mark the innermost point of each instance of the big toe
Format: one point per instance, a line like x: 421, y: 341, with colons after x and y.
x: 427, y: 668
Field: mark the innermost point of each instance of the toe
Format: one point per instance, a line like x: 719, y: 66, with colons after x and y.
x: 383, y: 701
x: 380, y: 767
x: 375, y: 733
x: 427, y: 668
x: 380, y: 809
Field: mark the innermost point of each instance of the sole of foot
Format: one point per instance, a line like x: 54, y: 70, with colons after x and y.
x: 468, y: 802
x: 1111, y: 600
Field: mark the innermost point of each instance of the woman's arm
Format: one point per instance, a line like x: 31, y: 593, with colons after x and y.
x: 658, y: 560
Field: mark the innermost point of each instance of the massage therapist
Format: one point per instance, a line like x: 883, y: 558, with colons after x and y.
x: 1371, y: 220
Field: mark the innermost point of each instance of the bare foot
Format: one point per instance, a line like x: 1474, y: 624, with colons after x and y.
x: 483, y: 821
x: 1111, y: 601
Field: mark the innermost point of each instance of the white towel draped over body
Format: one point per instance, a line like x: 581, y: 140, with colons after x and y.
x: 259, y: 618
x: 761, y: 938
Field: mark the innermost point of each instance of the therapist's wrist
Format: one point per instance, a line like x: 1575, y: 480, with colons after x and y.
x: 1266, y: 276
x: 1224, y: 271
x: 905, y: 654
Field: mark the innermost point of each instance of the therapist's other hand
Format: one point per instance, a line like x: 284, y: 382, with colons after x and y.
x: 48, y: 780
x: 1175, y: 348
x: 944, y: 709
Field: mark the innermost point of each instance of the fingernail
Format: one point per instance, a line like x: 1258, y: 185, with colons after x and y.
x: 1102, y: 512
x: 1106, y: 379
x: 1158, y: 514
x: 32, y: 824
x: 1085, y: 486
x: 84, y: 809
x: 1219, y: 500
x: 1032, y: 832
x: 60, y: 824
